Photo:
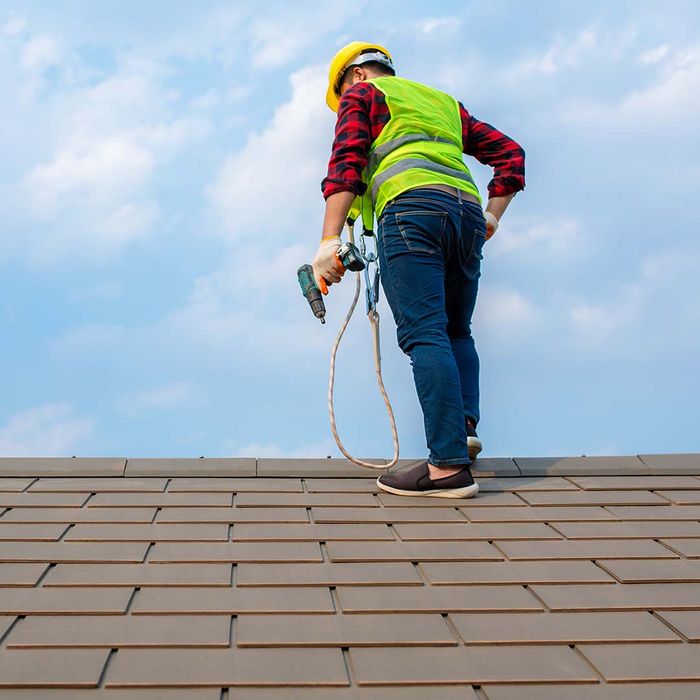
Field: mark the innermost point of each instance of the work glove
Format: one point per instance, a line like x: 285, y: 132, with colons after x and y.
x: 491, y: 224
x: 326, y: 265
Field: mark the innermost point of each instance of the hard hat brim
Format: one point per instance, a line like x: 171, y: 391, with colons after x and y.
x: 332, y: 100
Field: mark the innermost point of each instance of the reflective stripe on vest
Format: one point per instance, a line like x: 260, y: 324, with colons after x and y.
x: 382, y: 151
x: 409, y: 164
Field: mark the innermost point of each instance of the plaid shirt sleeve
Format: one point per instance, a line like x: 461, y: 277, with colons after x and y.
x: 492, y: 147
x: 362, y: 114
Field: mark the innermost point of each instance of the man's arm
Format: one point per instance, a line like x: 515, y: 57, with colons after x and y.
x: 352, y: 140
x: 492, y: 147
x: 496, y: 206
x: 344, y: 179
x: 337, y: 210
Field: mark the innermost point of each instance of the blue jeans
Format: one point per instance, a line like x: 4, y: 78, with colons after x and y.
x: 430, y: 245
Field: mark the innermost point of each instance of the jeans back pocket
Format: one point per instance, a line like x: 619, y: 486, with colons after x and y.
x: 422, y: 230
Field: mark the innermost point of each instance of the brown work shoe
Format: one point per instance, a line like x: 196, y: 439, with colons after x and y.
x: 416, y: 481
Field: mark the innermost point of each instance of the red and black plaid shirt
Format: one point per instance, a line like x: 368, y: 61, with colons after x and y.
x: 362, y: 114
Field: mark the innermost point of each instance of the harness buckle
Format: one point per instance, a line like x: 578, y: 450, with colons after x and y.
x: 371, y: 275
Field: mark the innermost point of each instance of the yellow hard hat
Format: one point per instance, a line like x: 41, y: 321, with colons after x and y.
x: 350, y: 56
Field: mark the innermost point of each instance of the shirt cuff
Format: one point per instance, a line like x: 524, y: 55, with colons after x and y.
x: 329, y: 187
x: 505, y: 185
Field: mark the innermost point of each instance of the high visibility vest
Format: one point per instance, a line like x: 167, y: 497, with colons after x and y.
x: 421, y: 144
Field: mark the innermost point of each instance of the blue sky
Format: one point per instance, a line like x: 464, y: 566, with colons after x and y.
x: 160, y: 185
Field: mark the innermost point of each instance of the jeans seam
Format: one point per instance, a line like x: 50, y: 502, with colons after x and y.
x: 476, y: 232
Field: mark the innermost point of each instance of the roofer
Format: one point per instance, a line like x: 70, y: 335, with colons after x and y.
x: 398, y: 149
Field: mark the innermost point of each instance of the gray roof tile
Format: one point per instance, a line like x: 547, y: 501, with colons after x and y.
x: 244, y: 466
x: 686, y: 622
x: 672, y: 463
x: 121, y: 631
x: 16, y: 484
x: 129, y: 575
x: 235, y: 485
x: 644, y: 662
x: 343, y: 631
x: 224, y: 667
x: 211, y: 578
x: 600, y: 691
x: 561, y: 628
x: 61, y: 466
x: 32, y: 668
x: 233, y: 601
x: 319, y: 468
x: 441, y: 599
x: 470, y: 665
x: 550, y: 466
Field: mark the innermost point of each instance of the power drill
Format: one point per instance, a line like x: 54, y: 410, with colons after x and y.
x: 349, y: 257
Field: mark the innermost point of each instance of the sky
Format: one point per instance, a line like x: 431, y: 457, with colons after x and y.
x: 160, y: 185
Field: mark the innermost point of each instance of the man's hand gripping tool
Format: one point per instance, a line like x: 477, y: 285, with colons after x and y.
x: 349, y: 258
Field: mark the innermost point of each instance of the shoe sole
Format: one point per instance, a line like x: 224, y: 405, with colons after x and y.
x: 474, y: 446
x: 464, y: 492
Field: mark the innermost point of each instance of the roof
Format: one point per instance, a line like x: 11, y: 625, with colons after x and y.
x: 288, y: 579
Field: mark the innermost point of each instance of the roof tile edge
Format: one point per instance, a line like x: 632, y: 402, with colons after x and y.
x: 630, y: 465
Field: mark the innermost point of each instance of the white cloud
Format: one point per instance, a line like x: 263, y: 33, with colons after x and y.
x: 240, y: 306
x: 40, y: 53
x: 165, y: 397
x: 505, y: 312
x: 238, y: 93
x: 265, y: 196
x: 94, y: 195
x: 89, y: 338
x: 111, y: 169
x: 13, y: 27
x: 102, y: 291
x: 648, y: 58
x: 273, y: 182
x: 255, y: 265
x: 656, y: 311
x: 101, y: 136
x: 676, y: 91
x: 40, y: 66
x: 670, y: 100
x: 563, y: 53
x: 597, y: 322
x: 438, y: 25
x: 125, y: 223
x: 251, y: 307
x: 320, y: 449
x: 670, y: 279
x: 555, y: 236
x: 672, y: 265
x: 280, y: 36
x: 51, y: 429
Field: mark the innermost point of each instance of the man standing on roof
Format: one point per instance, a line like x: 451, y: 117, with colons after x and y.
x: 397, y: 154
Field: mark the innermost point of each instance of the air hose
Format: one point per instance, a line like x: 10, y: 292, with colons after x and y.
x: 373, y: 316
